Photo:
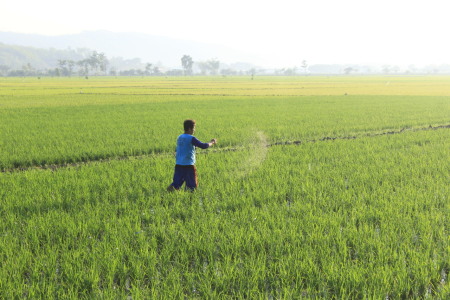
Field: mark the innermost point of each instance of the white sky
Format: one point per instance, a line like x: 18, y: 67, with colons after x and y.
x: 283, y: 31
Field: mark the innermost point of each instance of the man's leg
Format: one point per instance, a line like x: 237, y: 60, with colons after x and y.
x: 191, y: 178
x: 178, y: 179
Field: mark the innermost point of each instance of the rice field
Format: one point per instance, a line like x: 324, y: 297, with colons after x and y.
x: 319, y: 187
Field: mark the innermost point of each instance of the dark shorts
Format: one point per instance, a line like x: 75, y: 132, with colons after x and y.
x: 185, y: 174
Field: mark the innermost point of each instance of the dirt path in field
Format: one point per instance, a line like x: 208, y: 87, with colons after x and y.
x: 353, y: 137
x: 258, y: 148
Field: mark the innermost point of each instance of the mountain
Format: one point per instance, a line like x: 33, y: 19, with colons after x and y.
x: 149, y: 48
x: 13, y: 57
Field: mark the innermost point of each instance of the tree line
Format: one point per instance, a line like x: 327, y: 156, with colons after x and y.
x: 93, y: 63
x: 28, y: 61
x: 98, y: 64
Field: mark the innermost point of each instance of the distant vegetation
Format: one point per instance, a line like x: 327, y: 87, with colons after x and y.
x: 16, y: 61
x: 29, y: 61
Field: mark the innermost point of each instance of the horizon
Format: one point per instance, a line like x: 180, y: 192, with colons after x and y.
x: 324, y: 32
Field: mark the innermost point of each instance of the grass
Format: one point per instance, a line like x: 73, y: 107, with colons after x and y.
x: 339, y: 219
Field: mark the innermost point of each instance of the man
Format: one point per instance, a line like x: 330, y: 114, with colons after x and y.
x: 185, y: 171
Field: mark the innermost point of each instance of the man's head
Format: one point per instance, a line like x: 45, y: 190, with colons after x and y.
x: 189, y: 126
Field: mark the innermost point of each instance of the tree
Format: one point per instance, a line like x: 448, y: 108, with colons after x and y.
x: 148, y: 69
x: 203, y: 66
x: 209, y: 67
x: 65, y: 67
x: 70, y: 66
x: 187, y: 62
x: 62, y: 67
x: 386, y: 69
x: 93, y: 61
x: 304, y: 66
x: 4, y: 70
x: 349, y: 70
x: 84, y: 66
x: 214, y: 66
x: 102, y: 61
x: 28, y: 70
x: 290, y: 71
x: 157, y: 71
x: 395, y: 69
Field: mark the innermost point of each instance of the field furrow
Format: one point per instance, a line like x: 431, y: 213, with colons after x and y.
x: 262, y: 143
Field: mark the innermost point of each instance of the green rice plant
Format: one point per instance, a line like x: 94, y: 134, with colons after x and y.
x: 45, y: 135
x: 307, y: 196
x: 333, y: 219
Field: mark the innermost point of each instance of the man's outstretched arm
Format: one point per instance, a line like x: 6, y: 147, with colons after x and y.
x: 201, y: 145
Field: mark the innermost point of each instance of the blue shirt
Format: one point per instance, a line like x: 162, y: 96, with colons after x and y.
x: 186, y: 144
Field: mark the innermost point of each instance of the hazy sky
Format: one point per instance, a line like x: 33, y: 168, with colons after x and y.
x: 281, y: 31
